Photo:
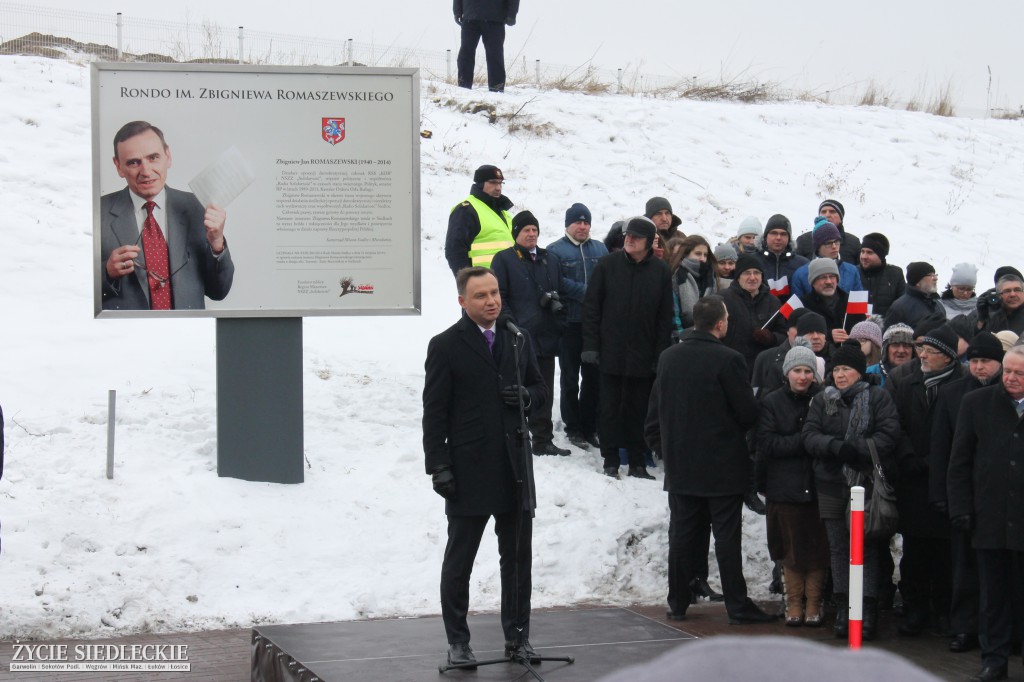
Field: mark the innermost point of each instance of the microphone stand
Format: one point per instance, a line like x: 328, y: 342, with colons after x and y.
x: 517, y: 654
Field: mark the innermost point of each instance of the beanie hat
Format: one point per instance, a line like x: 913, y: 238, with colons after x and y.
x: 823, y: 233
x: 821, y: 266
x: 867, y: 330
x: 1006, y: 270
x: 640, y: 227
x: 877, y: 242
x: 778, y: 222
x: 575, y: 213
x: 801, y: 356
x: 811, y: 322
x: 985, y: 346
x: 521, y: 220
x: 942, y: 338
x: 834, y: 204
x: 725, y: 252
x: 850, y: 355
x: 964, y: 274
x: 485, y: 173
x: 748, y: 262
x: 750, y: 225
x: 898, y: 333
x: 795, y: 316
x: 927, y: 324
x: 1007, y: 338
x: 916, y: 271
x: 655, y: 204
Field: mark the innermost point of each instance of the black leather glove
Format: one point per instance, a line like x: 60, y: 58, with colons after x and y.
x: 848, y: 453
x: 984, y: 305
x: 511, y: 395
x: 590, y: 357
x: 763, y: 337
x: 458, y: 19
x: 964, y: 522
x: 510, y: 21
x: 444, y: 483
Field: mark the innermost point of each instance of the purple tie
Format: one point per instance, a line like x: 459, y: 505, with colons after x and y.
x: 489, y: 335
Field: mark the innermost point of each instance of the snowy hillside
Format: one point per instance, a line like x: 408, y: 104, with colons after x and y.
x: 167, y: 545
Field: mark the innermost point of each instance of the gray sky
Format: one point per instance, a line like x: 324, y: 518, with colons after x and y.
x: 909, y: 48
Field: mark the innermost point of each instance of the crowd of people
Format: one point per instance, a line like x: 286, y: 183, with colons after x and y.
x: 793, y: 366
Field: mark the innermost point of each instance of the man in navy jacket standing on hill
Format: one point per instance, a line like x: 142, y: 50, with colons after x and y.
x: 484, y: 19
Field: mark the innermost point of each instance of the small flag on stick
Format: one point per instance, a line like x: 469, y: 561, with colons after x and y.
x: 857, y: 303
x: 779, y: 287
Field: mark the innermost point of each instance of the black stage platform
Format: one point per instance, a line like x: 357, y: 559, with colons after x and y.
x: 601, y: 639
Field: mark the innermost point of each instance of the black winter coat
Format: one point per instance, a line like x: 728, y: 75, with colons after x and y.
x: 748, y: 313
x: 1001, y: 320
x: 700, y: 408
x: 986, y: 469
x: 884, y: 285
x: 779, y: 266
x: 767, y: 374
x: 467, y: 426
x: 627, y: 314
x: 833, y: 311
x: 849, y: 247
x: 913, y: 307
x: 825, y: 433
x: 945, y: 412
x: 522, y: 281
x: 917, y: 516
x: 785, y: 471
x: 486, y: 10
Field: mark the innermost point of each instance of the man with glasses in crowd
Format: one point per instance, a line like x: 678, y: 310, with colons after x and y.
x: 160, y: 249
x: 1009, y: 315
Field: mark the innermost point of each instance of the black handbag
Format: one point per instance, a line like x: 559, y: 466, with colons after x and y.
x: 881, y: 517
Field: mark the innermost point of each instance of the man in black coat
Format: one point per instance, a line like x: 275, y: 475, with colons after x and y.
x: 480, y: 225
x: 849, y: 245
x: 529, y: 280
x: 925, y: 579
x: 779, y: 259
x: 475, y: 456
x: 986, y: 496
x: 984, y: 357
x: 921, y: 301
x: 700, y: 409
x: 484, y: 19
x: 883, y: 282
x: 627, y: 323
x: 827, y: 299
x: 754, y: 322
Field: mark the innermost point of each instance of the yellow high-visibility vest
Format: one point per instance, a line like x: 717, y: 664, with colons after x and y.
x: 495, y: 233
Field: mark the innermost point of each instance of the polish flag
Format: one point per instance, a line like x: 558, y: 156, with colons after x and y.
x: 780, y: 286
x: 789, y: 306
x: 858, y: 303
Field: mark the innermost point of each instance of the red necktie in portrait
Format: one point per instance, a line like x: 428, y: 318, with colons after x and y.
x: 157, y: 263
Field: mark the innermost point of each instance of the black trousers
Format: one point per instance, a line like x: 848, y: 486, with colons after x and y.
x: 464, y: 534
x: 623, y: 411
x: 541, y: 427
x: 578, y: 402
x: 687, y: 523
x: 964, y: 600
x: 925, y: 580
x: 1001, y: 574
x: 493, y: 34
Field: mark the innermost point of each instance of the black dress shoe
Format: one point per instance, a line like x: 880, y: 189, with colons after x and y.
x: 700, y: 588
x: 963, y: 642
x: 578, y: 440
x: 523, y: 652
x: 675, y: 615
x: 460, y: 654
x: 640, y: 472
x: 751, y: 614
x: 989, y: 673
x: 551, y: 449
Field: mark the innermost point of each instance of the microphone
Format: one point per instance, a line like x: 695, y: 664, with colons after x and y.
x: 505, y: 320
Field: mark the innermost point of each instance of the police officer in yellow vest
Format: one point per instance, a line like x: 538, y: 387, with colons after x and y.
x: 480, y: 226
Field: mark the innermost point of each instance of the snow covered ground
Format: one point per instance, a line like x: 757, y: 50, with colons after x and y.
x: 167, y: 545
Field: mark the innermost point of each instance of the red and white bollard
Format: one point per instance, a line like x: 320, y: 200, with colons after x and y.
x: 856, y: 565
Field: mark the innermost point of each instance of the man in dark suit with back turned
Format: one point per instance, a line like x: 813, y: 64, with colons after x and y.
x: 159, y: 248
x: 473, y: 447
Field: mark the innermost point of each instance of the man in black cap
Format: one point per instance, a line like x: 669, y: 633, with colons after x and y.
x: 778, y: 258
x: 849, y: 248
x: 484, y: 19
x: 627, y: 323
x: 1009, y: 313
x: 984, y: 357
x: 659, y: 210
x: 921, y: 300
x: 479, y: 226
x: 883, y: 282
x: 529, y: 281
x: 754, y: 324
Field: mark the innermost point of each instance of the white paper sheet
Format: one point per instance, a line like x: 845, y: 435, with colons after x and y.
x: 223, y: 180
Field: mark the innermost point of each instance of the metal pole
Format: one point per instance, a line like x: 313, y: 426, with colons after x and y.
x: 120, y: 52
x: 620, y: 80
x: 241, y: 43
x: 856, y: 593
x: 538, y: 73
x: 351, y: 61
x: 448, y: 58
x: 111, y: 412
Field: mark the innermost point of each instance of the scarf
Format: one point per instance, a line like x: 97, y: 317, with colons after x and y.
x: 860, y: 415
x: 933, y: 379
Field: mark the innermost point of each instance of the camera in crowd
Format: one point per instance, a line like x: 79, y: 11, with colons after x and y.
x: 991, y: 298
x: 550, y: 300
